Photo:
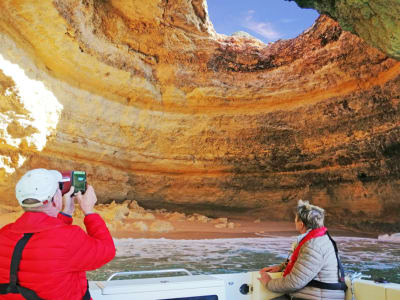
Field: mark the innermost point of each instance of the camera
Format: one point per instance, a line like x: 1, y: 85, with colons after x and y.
x: 75, y: 178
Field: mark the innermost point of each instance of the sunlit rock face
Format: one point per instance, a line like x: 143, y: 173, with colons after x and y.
x: 158, y: 108
x: 375, y: 21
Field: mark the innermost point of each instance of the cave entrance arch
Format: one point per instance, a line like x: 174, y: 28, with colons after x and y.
x: 267, y: 21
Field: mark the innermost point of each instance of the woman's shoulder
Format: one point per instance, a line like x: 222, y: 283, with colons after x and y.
x: 321, y: 243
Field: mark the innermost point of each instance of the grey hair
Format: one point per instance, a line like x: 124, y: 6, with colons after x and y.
x: 33, y: 205
x: 312, y: 216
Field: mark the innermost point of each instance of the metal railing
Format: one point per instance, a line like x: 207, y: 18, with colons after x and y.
x: 149, y: 272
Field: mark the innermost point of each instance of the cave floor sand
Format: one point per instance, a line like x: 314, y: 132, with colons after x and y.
x: 244, y: 228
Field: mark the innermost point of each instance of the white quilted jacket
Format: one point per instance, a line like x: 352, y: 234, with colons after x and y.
x: 316, y: 260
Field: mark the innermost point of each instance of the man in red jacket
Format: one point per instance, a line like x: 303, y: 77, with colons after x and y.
x: 56, y: 254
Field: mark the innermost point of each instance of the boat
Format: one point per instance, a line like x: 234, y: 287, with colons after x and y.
x: 236, y: 286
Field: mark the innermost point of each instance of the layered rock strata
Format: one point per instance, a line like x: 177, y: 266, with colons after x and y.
x: 157, y: 107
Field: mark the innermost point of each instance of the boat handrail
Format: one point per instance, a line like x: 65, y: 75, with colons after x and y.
x: 149, y: 272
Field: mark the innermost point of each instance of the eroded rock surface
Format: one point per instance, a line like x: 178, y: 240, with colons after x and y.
x: 157, y: 107
x: 128, y: 219
x: 376, y: 21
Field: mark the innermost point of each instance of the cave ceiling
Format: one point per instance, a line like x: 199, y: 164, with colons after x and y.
x: 158, y: 107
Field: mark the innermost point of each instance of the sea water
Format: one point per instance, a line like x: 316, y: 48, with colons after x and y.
x: 211, y: 256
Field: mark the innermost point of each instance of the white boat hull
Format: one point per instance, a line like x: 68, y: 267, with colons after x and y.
x: 222, y: 286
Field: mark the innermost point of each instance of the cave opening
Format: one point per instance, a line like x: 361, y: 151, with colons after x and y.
x: 267, y: 21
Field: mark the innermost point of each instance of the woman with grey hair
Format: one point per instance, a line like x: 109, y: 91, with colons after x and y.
x: 314, y: 271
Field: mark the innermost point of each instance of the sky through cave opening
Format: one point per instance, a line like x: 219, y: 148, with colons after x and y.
x: 266, y: 20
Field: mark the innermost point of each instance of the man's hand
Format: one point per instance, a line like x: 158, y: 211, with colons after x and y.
x: 87, y: 200
x: 265, y: 278
x: 272, y: 269
x: 68, y: 202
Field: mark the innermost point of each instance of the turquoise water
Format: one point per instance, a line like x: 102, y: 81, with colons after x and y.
x: 365, y: 255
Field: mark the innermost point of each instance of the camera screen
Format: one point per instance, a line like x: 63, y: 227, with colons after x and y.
x: 79, y: 181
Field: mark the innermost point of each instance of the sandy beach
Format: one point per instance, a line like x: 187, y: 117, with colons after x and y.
x: 129, y: 220
x: 243, y: 228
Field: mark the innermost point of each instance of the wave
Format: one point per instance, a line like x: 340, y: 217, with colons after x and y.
x: 373, y: 252
x: 394, y: 238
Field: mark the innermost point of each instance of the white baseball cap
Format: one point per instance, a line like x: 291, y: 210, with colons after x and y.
x: 39, y: 184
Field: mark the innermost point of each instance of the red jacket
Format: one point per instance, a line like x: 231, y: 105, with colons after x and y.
x: 55, y: 259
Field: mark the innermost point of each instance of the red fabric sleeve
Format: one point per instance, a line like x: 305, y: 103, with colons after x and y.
x: 91, y: 250
x: 64, y: 218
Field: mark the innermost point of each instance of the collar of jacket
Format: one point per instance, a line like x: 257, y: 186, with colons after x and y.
x: 35, y: 222
x: 302, y: 236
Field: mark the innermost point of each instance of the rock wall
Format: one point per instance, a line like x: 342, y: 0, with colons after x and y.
x: 159, y: 108
x: 376, y: 22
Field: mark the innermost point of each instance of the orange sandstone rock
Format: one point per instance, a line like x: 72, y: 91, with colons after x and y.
x: 156, y: 106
